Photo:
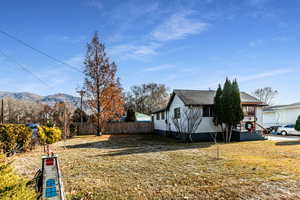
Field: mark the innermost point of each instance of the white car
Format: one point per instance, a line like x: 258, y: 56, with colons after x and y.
x: 288, y: 130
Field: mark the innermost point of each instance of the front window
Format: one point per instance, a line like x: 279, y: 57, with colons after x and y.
x: 157, y: 116
x: 162, y: 115
x: 177, y: 113
x: 249, y: 110
x: 208, y: 111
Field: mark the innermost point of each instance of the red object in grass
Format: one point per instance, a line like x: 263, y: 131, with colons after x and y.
x: 49, y: 161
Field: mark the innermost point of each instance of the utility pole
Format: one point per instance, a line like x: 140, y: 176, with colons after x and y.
x: 81, y: 93
x: 2, y: 111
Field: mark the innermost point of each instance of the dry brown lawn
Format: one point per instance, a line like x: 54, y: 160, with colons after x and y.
x: 151, y: 167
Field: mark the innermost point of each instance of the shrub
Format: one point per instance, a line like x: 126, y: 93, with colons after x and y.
x: 297, y: 127
x: 13, y: 135
x: 48, y: 135
x: 41, y: 135
x: 12, y: 187
x: 73, y: 129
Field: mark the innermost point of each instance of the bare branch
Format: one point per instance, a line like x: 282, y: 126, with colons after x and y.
x: 188, y: 123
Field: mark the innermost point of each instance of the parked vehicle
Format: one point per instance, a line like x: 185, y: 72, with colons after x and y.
x: 288, y: 130
x: 273, y: 130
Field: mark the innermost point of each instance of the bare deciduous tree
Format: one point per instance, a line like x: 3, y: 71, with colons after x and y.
x: 62, y: 117
x: 146, y: 98
x: 20, y: 111
x: 188, y: 122
x: 265, y: 95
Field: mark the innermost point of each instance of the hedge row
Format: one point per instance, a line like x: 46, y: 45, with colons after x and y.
x: 19, y: 137
x: 13, y: 187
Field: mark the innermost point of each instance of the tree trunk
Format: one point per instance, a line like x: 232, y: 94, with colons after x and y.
x: 190, y: 138
x: 98, y: 110
x: 230, y: 133
x: 98, y: 126
x: 226, y: 134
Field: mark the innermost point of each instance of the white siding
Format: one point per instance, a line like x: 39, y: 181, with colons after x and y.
x: 176, y: 103
x: 159, y: 124
x: 206, y: 125
x: 281, y: 116
x: 259, y: 117
x: 270, y: 119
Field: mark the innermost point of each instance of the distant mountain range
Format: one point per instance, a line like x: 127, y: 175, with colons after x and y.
x: 50, y: 99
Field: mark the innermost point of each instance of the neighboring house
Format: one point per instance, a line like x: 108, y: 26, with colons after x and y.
x: 281, y: 114
x: 204, y: 100
x: 140, y: 117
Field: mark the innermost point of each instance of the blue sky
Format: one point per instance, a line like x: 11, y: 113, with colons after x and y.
x: 187, y: 44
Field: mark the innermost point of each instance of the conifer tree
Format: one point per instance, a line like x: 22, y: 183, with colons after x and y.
x: 238, y: 114
x: 218, y: 107
x: 297, y: 126
x: 228, y: 107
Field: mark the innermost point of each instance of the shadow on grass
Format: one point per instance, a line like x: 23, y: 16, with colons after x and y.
x: 284, y: 143
x: 119, y: 145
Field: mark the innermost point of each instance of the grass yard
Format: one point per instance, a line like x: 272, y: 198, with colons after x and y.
x: 152, y: 167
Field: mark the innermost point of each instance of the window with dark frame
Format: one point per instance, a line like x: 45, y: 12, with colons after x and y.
x: 157, y: 116
x: 162, y: 115
x: 177, y: 113
x: 208, y: 111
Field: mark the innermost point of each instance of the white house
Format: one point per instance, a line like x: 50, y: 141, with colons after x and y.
x: 281, y: 114
x: 204, y: 100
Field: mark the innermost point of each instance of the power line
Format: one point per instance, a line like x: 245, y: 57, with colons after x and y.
x: 39, y: 51
x: 24, y: 68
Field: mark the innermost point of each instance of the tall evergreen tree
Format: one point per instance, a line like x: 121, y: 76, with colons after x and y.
x: 218, y: 119
x: 238, y: 114
x: 227, y: 107
x: 297, y: 126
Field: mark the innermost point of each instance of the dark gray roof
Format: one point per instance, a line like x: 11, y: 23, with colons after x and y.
x: 206, y: 97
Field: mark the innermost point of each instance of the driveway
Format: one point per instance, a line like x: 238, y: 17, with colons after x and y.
x: 283, y: 138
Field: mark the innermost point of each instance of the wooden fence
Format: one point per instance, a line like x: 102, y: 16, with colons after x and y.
x: 118, y: 128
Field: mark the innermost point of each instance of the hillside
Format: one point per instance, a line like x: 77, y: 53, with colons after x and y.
x: 49, y: 99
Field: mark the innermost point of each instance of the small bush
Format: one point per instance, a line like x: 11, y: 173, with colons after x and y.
x: 48, y: 135
x: 12, y: 187
x: 13, y: 135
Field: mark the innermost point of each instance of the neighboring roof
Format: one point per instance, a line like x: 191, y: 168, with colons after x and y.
x: 295, y: 104
x: 159, y: 110
x: 140, y: 117
x: 276, y: 107
x: 206, y: 97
